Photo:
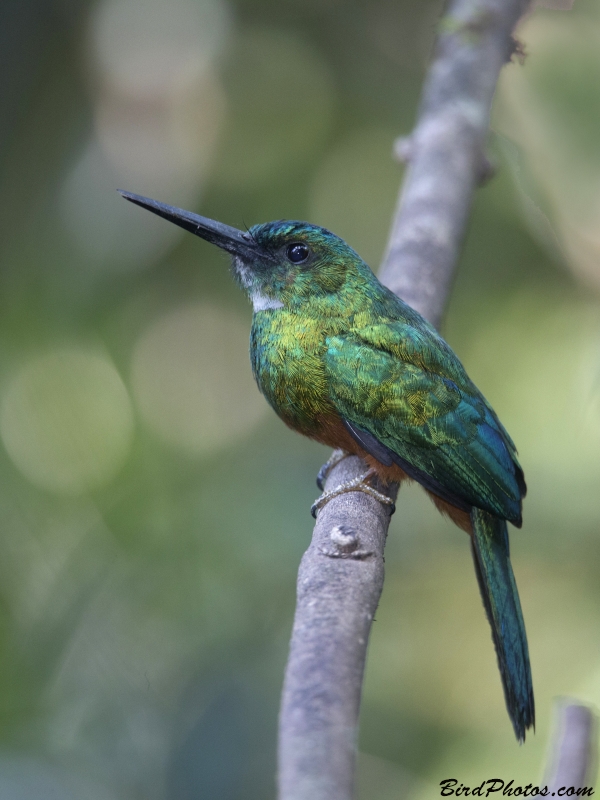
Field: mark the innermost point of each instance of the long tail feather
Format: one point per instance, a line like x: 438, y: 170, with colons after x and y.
x: 501, y: 601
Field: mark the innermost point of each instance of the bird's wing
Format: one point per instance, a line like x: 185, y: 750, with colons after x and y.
x: 406, y: 388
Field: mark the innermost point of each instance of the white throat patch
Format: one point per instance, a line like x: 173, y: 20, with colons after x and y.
x: 262, y: 303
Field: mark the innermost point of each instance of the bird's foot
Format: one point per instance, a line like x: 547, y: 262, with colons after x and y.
x: 333, y: 460
x: 355, y: 485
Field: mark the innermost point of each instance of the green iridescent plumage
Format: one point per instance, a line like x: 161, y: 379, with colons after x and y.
x: 375, y: 362
x: 330, y: 346
x: 360, y: 352
x: 501, y: 601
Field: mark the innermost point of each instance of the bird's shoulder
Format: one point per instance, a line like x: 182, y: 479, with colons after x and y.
x: 390, y: 370
x: 401, y: 341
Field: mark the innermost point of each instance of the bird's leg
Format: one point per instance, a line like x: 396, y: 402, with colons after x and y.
x: 356, y: 485
x: 333, y: 460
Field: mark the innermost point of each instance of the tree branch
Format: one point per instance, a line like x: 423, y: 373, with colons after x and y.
x: 341, y: 575
x: 446, y: 151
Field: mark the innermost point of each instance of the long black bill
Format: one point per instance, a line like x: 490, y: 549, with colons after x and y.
x: 231, y: 239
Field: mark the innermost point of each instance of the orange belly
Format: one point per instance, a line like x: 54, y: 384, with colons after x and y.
x: 333, y: 433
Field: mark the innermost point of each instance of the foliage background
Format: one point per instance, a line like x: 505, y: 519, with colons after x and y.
x: 153, y: 510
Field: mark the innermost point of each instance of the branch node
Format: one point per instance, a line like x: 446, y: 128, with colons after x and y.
x: 344, y: 538
x: 403, y: 149
x: 356, y: 555
x: 517, y: 51
x: 482, y: 22
x: 487, y: 170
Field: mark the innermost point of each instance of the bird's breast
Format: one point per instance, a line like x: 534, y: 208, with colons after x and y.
x: 287, y: 352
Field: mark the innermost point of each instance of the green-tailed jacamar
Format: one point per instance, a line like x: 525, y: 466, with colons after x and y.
x: 343, y: 360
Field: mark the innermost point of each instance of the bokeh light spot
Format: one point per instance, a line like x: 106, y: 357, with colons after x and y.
x: 160, y: 149
x: 192, y: 379
x: 550, y: 108
x: 158, y: 110
x: 281, y: 98
x: 66, y: 421
x: 111, y: 235
x: 354, y: 191
x: 142, y: 48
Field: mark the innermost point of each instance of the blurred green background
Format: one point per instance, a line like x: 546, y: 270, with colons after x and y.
x: 153, y: 509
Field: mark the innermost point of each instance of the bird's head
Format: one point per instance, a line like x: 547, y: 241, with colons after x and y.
x: 279, y: 264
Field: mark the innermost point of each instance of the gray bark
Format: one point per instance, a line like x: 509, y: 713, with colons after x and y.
x: 341, y: 575
x: 446, y: 152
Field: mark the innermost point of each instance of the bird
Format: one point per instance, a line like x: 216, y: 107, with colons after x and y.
x: 344, y: 361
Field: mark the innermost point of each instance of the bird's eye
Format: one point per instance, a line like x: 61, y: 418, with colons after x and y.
x: 297, y: 253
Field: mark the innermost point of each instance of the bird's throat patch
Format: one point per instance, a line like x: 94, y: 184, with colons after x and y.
x: 261, y: 302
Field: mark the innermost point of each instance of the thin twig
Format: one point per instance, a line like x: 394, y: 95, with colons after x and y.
x: 573, y: 749
x: 339, y: 589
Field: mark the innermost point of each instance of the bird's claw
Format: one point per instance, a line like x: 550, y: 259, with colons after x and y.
x: 333, y: 460
x: 355, y: 485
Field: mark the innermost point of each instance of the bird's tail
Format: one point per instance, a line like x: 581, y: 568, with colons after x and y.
x: 503, y: 609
